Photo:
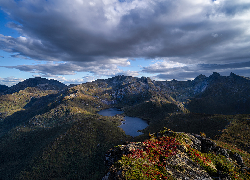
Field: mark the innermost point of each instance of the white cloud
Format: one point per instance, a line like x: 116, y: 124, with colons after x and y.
x: 10, y: 81
x: 214, y: 35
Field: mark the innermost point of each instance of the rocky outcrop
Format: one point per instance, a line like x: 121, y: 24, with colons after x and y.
x: 181, y: 165
x: 117, y: 152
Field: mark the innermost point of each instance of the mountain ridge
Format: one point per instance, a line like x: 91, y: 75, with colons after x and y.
x: 42, y: 82
x: 189, y: 95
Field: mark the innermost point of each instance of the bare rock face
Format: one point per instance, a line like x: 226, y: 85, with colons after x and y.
x: 116, y: 153
x: 207, y: 144
x: 181, y: 167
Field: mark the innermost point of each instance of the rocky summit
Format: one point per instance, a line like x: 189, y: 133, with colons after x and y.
x: 173, y: 155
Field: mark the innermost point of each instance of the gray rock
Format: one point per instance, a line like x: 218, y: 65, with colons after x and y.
x: 238, y: 159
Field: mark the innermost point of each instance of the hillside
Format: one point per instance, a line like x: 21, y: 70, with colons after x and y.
x: 51, y: 131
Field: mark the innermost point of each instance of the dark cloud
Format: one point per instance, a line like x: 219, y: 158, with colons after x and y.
x: 53, y: 69
x: 87, y: 35
x: 178, y: 76
x: 190, y: 75
x: 225, y: 66
x: 184, y: 72
x: 161, y: 67
x: 232, y: 8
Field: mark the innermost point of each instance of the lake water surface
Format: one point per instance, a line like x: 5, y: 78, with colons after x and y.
x: 131, y: 124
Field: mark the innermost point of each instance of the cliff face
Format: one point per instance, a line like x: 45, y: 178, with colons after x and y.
x: 174, y: 155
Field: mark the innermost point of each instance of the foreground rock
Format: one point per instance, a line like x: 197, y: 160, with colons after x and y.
x: 192, y: 157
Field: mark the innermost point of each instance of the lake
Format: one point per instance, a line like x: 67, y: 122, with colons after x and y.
x: 131, y: 124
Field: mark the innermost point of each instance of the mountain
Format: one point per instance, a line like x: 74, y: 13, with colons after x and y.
x: 41, y: 83
x: 222, y: 95
x: 52, y: 131
x: 3, y: 88
x: 215, y: 94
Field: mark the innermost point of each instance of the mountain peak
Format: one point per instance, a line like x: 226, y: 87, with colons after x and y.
x: 215, y: 74
x: 200, y: 77
x: 41, y: 83
x: 232, y: 75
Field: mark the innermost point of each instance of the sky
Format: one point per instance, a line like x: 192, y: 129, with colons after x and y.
x: 77, y: 41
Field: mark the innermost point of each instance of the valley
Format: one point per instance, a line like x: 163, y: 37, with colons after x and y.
x: 52, y: 131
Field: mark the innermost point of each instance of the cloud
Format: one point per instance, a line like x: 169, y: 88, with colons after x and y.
x: 74, y: 81
x: 50, y: 69
x: 94, y: 36
x: 10, y: 81
x: 169, y: 66
x: 190, y: 75
x: 171, y: 70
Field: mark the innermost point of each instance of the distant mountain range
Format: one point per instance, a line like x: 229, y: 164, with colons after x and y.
x: 215, y: 94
